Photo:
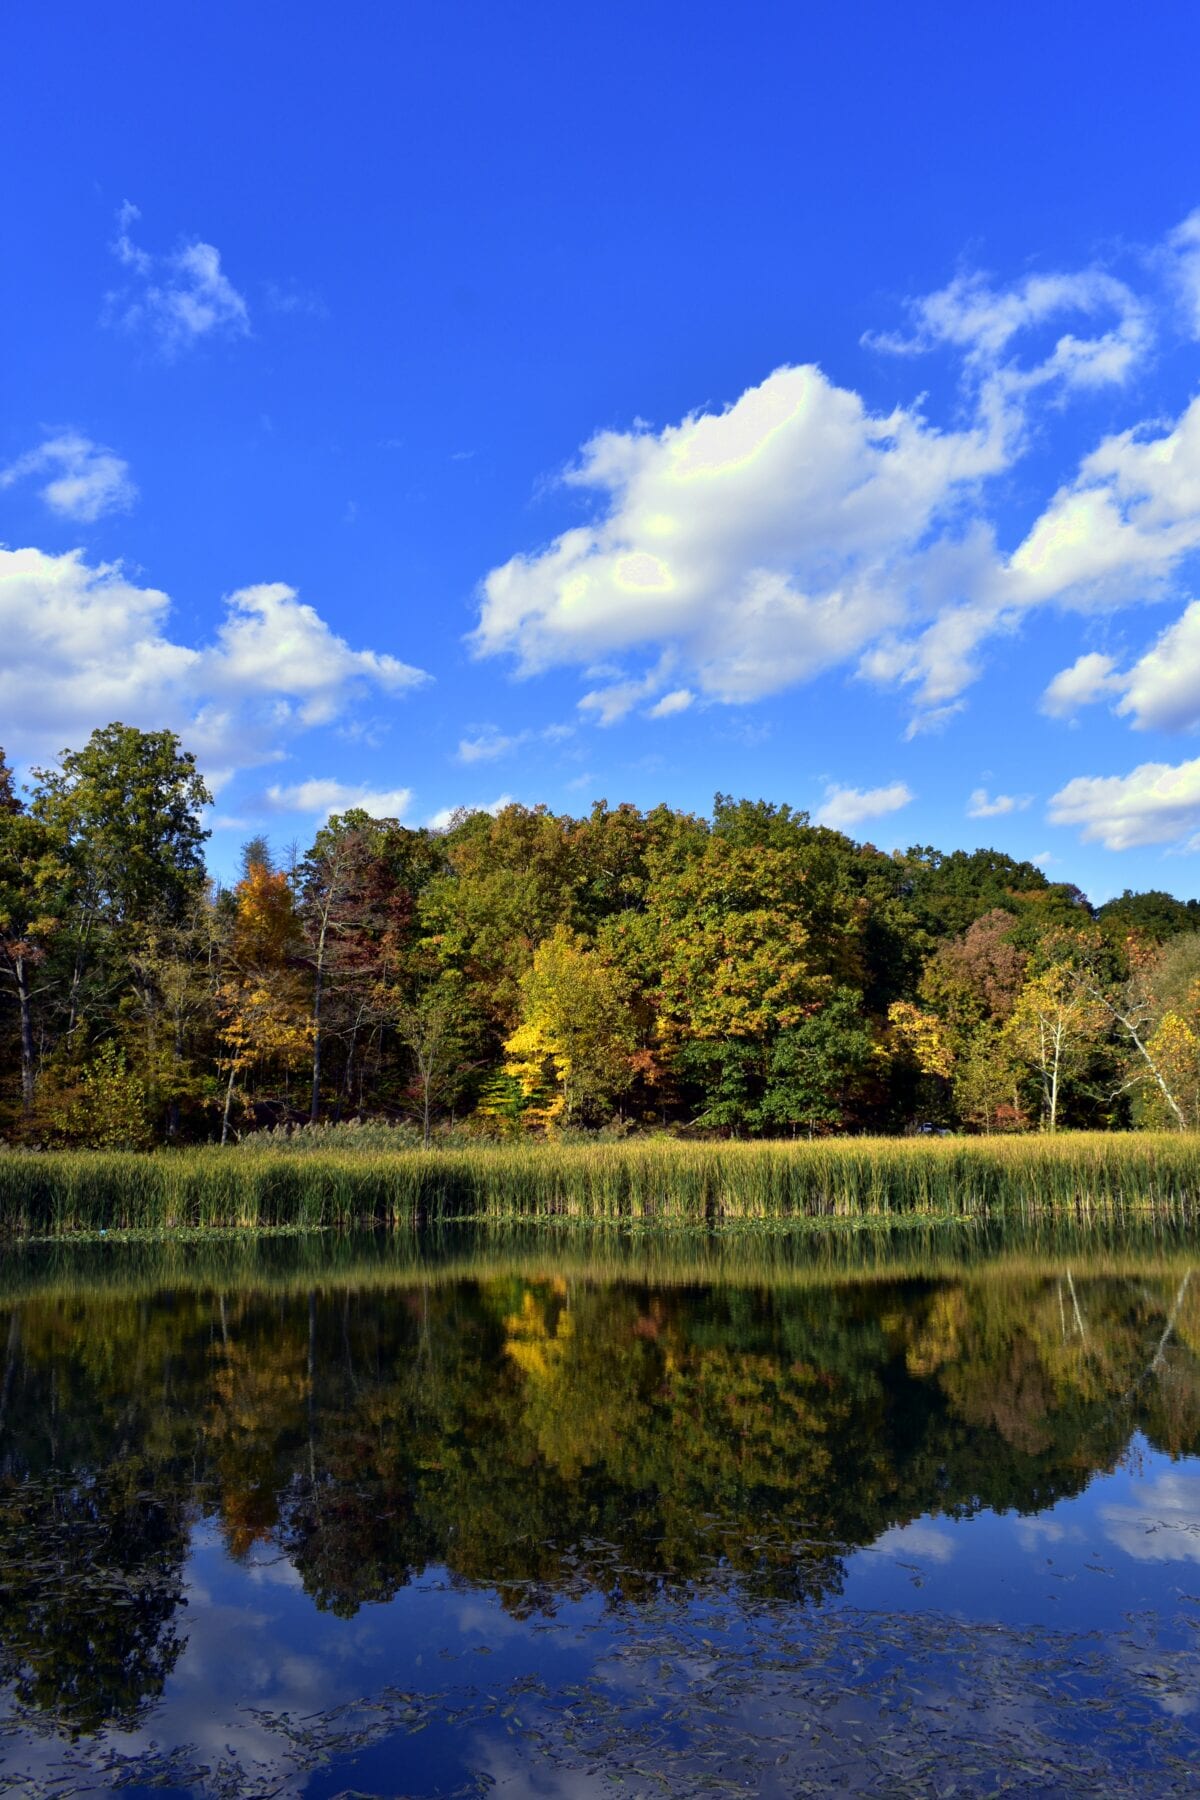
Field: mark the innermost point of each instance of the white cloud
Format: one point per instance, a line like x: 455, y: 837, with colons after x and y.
x: 320, y: 797
x: 1183, y: 251
x: 846, y: 806
x: 982, y: 322
x: 177, y: 298
x: 1162, y: 690
x: 1088, y: 679
x: 758, y: 545
x: 1117, y: 531
x: 994, y: 806
x: 272, y: 643
x: 84, y: 644
x: 677, y: 701
x: 447, y: 815
x: 490, y: 745
x: 747, y: 550
x: 86, y: 480
x: 1157, y: 803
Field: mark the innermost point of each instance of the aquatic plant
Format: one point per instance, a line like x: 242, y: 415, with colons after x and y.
x: 663, y: 1181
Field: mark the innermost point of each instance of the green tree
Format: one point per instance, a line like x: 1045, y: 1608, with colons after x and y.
x: 818, y: 1069
x: 127, y: 810
x: 34, y: 893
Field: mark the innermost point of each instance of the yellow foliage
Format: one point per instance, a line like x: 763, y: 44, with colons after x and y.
x: 571, y: 1052
x: 922, y: 1036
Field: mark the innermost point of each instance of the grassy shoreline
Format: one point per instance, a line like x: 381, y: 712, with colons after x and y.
x: 651, y: 1181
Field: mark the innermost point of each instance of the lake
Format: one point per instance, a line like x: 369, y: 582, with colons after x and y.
x: 578, y: 1513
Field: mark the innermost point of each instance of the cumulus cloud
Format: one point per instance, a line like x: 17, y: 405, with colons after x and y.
x: 758, y: 546
x: 319, y: 797
x: 86, y: 480
x: 847, y: 806
x: 1121, y: 526
x: 177, y: 298
x: 85, y: 644
x: 1162, y: 690
x: 994, y: 806
x: 742, y: 551
x: 1089, y: 678
x: 1157, y: 803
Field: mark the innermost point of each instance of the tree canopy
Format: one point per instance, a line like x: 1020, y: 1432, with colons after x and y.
x: 747, y: 973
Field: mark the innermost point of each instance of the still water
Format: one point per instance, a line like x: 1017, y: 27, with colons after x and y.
x: 552, y: 1518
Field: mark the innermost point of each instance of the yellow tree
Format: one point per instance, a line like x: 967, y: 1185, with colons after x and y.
x: 1054, y: 1027
x: 1174, y: 1054
x: 920, y: 1036
x: 571, y: 1052
x: 262, y: 1003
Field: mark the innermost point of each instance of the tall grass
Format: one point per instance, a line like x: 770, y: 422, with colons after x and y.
x: 653, y: 1181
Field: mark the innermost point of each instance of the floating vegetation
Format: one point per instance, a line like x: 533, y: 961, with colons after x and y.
x: 652, y: 1181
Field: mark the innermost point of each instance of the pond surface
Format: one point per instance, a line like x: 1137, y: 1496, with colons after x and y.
x: 541, y: 1519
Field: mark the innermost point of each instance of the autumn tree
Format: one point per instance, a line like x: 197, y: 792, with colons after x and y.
x: 735, y: 969
x: 261, y: 1002
x: 571, y: 1052
x: 1054, y: 1028
x: 972, y: 983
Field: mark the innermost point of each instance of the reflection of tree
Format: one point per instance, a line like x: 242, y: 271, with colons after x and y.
x: 539, y: 1436
x: 93, y: 1515
x: 91, y: 1585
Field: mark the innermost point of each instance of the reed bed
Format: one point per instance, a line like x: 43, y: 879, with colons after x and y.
x: 648, y: 1181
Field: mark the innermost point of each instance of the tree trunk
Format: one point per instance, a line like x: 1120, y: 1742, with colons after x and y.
x: 21, y: 973
x: 228, y: 1104
x: 315, y: 1108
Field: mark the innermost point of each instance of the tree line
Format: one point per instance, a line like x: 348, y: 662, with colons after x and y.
x: 751, y: 973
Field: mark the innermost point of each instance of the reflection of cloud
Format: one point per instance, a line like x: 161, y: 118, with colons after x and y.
x: 918, y: 1539
x: 1032, y: 1534
x: 1165, y: 1527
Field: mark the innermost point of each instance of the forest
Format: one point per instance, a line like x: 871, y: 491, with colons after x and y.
x: 527, y: 973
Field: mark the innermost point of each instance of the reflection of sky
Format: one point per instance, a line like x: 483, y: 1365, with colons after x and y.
x: 257, y: 1645
x: 1081, y: 1565
x: 1112, y: 1567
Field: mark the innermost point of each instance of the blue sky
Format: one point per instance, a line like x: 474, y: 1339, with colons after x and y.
x: 424, y: 405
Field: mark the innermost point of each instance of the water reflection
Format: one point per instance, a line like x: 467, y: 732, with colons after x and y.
x: 672, y: 1464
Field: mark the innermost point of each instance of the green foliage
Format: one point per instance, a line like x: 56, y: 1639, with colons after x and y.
x: 104, y: 1107
x: 749, y: 974
x: 128, y: 807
